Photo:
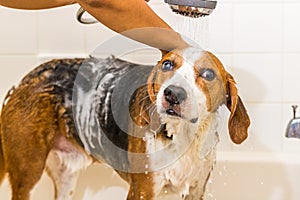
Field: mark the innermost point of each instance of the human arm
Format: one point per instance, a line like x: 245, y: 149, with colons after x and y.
x: 132, y: 19
x: 35, y: 4
x: 122, y: 16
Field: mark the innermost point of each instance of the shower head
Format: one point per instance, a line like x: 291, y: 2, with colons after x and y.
x: 192, y: 8
x: 189, y: 8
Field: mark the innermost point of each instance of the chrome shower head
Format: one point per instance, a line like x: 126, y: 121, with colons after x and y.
x: 192, y: 8
x: 189, y: 8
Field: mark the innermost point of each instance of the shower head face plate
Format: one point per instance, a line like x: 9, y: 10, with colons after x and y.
x: 192, y: 12
x: 192, y: 8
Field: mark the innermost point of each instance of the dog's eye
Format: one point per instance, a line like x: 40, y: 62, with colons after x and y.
x: 207, y: 74
x: 167, y: 65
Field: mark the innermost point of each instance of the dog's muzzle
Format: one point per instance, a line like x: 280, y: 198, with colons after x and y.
x: 173, y: 98
x: 175, y: 95
x: 174, y: 102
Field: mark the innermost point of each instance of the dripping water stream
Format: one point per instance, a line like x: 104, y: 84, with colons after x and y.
x: 195, y: 29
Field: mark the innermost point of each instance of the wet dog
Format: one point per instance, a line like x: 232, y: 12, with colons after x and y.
x: 160, y: 136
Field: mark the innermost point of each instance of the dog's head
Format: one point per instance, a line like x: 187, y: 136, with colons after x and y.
x: 191, y: 84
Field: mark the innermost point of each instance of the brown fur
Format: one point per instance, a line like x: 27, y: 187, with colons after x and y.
x: 239, y: 120
x: 28, y: 132
x: 27, y: 139
x: 141, y: 118
x: 2, y: 170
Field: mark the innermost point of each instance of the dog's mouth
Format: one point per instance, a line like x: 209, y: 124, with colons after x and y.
x: 171, y: 109
x: 175, y: 109
x: 175, y: 113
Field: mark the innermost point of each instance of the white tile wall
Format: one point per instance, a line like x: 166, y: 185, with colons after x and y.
x: 291, y: 77
x: 257, y: 27
x: 12, y: 69
x: 18, y: 32
x: 291, y: 27
x: 259, y: 76
x: 220, y: 34
x: 257, y: 40
x: 58, y: 31
x: 96, y: 35
x: 265, y: 133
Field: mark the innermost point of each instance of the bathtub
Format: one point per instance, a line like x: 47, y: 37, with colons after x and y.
x: 236, y: 176
x: 255, y: 176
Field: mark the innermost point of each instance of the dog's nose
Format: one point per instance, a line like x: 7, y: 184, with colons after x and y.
x: 174, y: 94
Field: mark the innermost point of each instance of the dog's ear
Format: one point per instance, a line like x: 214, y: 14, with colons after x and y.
x: 239, y: 120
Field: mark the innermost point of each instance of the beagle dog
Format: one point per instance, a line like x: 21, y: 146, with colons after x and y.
x: 156, y: 126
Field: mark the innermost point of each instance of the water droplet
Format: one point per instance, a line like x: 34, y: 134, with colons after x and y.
x: 210, y: 195
x: 166, y: 191
x: 146, y: 172
x: 141, y: 197
x: 261, y: 182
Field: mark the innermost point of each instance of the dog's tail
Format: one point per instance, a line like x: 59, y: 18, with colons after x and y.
x: 2, y: 167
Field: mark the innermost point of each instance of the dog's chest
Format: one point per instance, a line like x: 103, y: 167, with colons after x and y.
x: 184, y: 169
x: 188, y: 172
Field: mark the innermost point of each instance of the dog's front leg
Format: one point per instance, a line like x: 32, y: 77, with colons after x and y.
x: 141, y: 187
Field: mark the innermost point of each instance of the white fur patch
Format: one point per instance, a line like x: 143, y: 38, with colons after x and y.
x: 72, y: 161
